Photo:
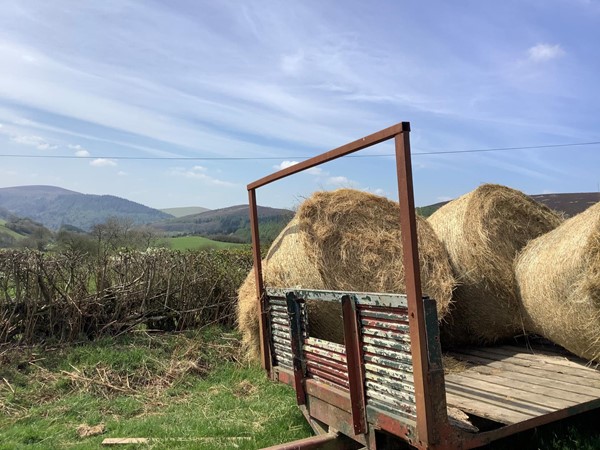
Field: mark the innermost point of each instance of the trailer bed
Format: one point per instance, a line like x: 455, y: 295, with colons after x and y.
x: 510, y: 384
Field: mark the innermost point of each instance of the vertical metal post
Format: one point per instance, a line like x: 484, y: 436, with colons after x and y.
x: 426, y: 425
x: 354, y: 359
x: 265, y: 353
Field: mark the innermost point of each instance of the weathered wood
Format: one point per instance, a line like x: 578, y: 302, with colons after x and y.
x: 492, y: 411
x: 520, y: 393
x: 509, y: 366
x: 564, y: 365
x: 508, y: 380
x: 586, y: 393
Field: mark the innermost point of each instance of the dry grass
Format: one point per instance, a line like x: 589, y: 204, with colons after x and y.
x: 483, y: 232
x: 558, y: 275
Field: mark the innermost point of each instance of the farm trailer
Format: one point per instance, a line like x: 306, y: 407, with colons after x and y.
x: 385, y: 384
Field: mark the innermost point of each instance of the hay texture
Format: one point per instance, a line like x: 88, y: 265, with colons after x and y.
x: 286, y: 265
x: 344, y: 240
x: 483, y: 231
x: 354, y: 238
x: 558, y: 276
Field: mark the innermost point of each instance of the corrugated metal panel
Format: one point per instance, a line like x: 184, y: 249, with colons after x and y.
x: 389, y: 382
x: 280, y: 333
x: 326, y: 362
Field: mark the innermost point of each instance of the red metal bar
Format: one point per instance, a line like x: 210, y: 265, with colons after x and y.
x: 354, y: 359
x: 329, y: 441
x: 426, y: 422
x: 352, y: 147
x: 265, y: 352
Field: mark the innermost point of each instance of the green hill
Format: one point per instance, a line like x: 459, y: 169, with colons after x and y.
x: 53, y: 207
x: 184, y: 211
x: 233, y: 222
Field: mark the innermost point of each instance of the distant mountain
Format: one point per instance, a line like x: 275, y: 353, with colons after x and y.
x: 233, y: 220
x: 184, y: 211
x: 569, y: 204
x: 53, y: 206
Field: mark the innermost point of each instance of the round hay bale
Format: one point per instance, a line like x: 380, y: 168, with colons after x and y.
x: 344, y: 240
x: 558, y: 276
x: 483, y: 231
x: 355, y: 240
x: 287, y: 266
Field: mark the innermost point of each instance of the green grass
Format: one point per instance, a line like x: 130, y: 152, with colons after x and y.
x: 185, y: 391
x: 197, y: 242
x: 5, y: 230
x: 188, y: 390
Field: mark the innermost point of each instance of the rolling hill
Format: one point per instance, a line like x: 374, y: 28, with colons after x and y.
x: 53, y: 206
x: 569, y: 204
x: 184, y: 211
x: 233, y: 220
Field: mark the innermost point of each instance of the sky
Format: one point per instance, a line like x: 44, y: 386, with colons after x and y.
x: 282, y: 81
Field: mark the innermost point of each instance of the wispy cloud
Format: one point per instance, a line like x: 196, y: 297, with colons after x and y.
x: 545, y: 52
x: 200, y: 173
x: 103, y: 162
x: 33, y: 141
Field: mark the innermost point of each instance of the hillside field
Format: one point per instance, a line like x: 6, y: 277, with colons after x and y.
x: 197, y: 242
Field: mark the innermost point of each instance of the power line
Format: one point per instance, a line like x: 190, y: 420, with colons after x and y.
x: 259, y: 158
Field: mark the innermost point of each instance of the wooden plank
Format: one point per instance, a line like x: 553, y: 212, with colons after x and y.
x: 577, y: 391
x: 496, y: 399
x: 520, y: 393
x: 544, y: 362
x: 509, y: 381
x: 510, y: 367
x: 581, y: 367
x: 485, y: 410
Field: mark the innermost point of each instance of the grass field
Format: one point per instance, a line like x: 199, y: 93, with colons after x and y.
x: 197, y: 242
x: 187, y: 390
x: 182, y: 391
x: 8, y: 231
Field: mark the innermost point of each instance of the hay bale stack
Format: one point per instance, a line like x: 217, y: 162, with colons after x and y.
x: 354, y: 238
x: 558, y: 276
x: 344, y: 240
x: 483, y: 231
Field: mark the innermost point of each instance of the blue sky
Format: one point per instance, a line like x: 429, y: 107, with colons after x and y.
x: 290, y: 80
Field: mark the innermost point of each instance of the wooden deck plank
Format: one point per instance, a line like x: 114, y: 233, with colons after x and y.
x: 535, y: 395
x: 554, y: 363
x: 514, y: 404
x: 509, y: 366
x: 486, y: 410
x: 576, y: 391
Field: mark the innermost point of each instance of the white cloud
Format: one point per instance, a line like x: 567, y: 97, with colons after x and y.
x: 284, y: 165
x: 545, y: 52
x: 103, y: 162
x: 33, y: 141
x: 79, y: 151
x: 340, y: 181
x: 199, y: 173
x: 121, y: 173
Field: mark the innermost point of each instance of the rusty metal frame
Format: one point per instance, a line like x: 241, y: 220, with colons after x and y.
x: 428, y: 397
